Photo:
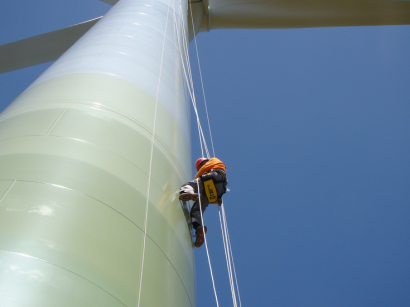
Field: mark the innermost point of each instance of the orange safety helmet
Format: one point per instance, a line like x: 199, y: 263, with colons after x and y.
x: 199, y: 161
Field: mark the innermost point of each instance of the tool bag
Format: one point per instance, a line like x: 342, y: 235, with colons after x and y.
x: 214, y: 183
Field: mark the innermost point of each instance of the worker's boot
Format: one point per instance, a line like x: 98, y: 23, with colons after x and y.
x: 186, y: 196
x: 200, y: 236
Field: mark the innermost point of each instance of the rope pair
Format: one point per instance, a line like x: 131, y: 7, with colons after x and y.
x: 190, y: 85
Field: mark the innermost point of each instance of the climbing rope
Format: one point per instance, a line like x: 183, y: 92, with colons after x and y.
x: 206, y: 245
x: 184, y: 54
x: 200, y: 74
x: 229, y: 267
x: 181, y: 39
x: 229, y: 256
x: 150, y: 161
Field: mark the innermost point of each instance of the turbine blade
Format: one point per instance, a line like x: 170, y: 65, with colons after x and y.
x: 41, y: 48
x: 258, y: 14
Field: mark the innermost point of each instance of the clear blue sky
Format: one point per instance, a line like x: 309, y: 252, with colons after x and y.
x: 314, y: 127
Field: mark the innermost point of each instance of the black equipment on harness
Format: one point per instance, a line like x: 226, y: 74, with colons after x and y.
x: 215, y: 183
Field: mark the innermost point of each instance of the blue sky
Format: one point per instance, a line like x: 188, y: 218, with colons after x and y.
x: 313, y: 125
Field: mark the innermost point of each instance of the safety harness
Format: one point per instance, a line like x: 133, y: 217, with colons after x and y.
x: 215, y: 183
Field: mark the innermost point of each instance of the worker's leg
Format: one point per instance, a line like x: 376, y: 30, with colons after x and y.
x: 200, y: 229
x: 196, y: 213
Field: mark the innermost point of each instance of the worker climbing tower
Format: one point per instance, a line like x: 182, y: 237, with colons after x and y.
x: 92, y: 154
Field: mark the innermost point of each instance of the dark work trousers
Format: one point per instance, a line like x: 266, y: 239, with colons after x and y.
x: 191, y: 187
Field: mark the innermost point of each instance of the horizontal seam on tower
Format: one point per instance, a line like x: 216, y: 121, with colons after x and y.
x: 118, y: 12
x: 63, y: 187
x: 116, y: 76
x: 112, y: 75
x: 85, y: 39
x: 53, y: 264
x: 119, y: 114
x: 152, y: 240
x: 82, y: 141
